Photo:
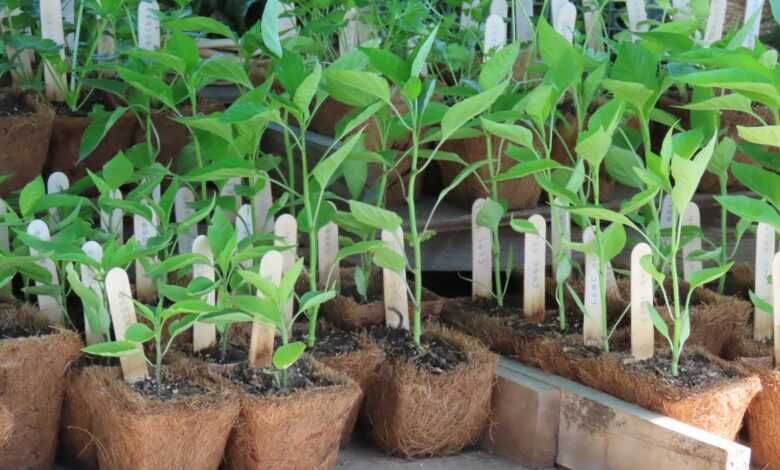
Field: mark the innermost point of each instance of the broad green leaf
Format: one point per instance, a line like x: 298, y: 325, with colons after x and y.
x: 376, y: 217
x: 635, y: 94
x: 499, y: 67
x: 30, y: 195
x: 138, y: 333
x: 269, y: 25
x: 356, y: 87
x: 528, y: 168
x: 285, y: 356
x: 118, y: 171
x: 387, y: 258
x: 762, y: 135
x: 221, y: 68
x: 658, y: 322
x: 723, y: 156
x: 613, y: 240
x: 310, y: 300
x: 308, y: 89
x: 704, y: 276
x: 328, y: 166
x: 490, y: 215
x: 421, y: 56
x: 113, y: 349
x: 646, y: 262
x: 687, y: 175
x: 199, y: 24
x: 728, y: 102
x: 523, y: 226
x: 600, y: 213
x: 388, y: 64
x: 760, y: 303
x: 462, y: 112
x: 763, y: 182
x: 101, y: 121
x: 511, y: 132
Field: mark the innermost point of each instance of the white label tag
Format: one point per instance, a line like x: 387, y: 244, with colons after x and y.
x: 56, y: 183
x: 715, y: 21
x: 495, y: 33
x: 149, y: 25
x: 776, y: 307
x: 753, y: 8
x: 642, y: 334
x: 524, y: 13
x: 560, y: 227
x: 765, y: 249
x: 637, y: 16
x: 113, y: 221
x: 481, y: 256
x: 261, y: 348
x: 567, y: 17
x: 94, y: 251
x: 48, y: 305
x: 143, y: 231
x: 286, y: 231
x: 500, y: 8
x: 555, y: 8
x: 244, y: 228
x: 593, y: 26
x: 610, y: 283
x: 263, y: 202
x: 592, y: 321
x: 534, y: 264
x: 107, y: 45
x: 691, y: 218
x: 69, y: 17
x: 182, y: 210
x: 51, y: 28
x: 204, y: 335
x: 394, y: 285
x: 683, y: 10
x: 665, y: 220
x: 229, y: 190
x: 120, y: 305
x: 327, y: 256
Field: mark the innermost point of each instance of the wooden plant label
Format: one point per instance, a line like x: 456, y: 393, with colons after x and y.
x: 56, y: 183
x: 157, y: 194
x: 229, y: 190
x: 665, y: 220
x: 534, y: 264
x: 244, y: 228
x: 5, y: 239
x: 753, y: 8
x: 149, y: 25
x: 637, y: 15
x: 592, y: 320
x: 776, y: 307
x: 51, y: 28
x: 466, y: 20
x: 69, y: 17
x: 642, y: 334
x: 567, y: 16
x: 182, y: 208
x: 287, y: 24
x: 263, y: 202
x: 765, y: 249
x: 286, y: 231
x: 144, y: 230
x: 593, y: 25
x: 354, y: 32
x: 560, y: 230
x: 94, y: 251
x: 714, y: 30
x: 481, y: 255
x: 500, y: 8
x: 495, y: 33
x: 691, y: 217
x: 122, y: 309
x: 113, y: 222
x: 394, y: 284
x: 555, y: 8
x: 523, y: 13
x: 327, y: 256
x: 48, y: 305
x: 107, y: 45
x: 261, y: 348
x: 204, y: 335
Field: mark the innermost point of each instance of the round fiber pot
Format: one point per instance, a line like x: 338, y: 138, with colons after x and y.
x: 298, y: 430
x: 66, y: 140
x: 25, y: 130
x: 763, y: 414
x: 33, y: 365
x: 108, y: 423
x: 413, y: 411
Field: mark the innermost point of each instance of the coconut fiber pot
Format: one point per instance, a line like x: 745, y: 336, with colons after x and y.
x: 415, y: 412
x: 33, y: 364
x: 25, y: 130
x: 298, y: 430
x: 108, y: 424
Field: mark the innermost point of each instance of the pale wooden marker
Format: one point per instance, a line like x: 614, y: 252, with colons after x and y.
x: 665, y: 220
x: 354, y: 32
x: 593, y: 23
x: 683, y: 9
x: 264, y: 222
x: 715, y: 22
x: 182, y: 209
x: 244, y: 228
x: 122, y: 309
x: 94, y: 251
x: 204, y: 335
x: 765, y: 248
x: 48, y: 305
x: 143, y: 231
x: 495, y: 33
x: 534, y: 264
x: 610, y: 282
x: 56, y: 183
x: 642, y: 335
x: 51, y: 28
x: 394, y: 284
x: 560, y: 230
x: 288, y: 27
x: 567, y: 16
x: 691, y: 217
x: 261, y: 348
x: 481, y: 255
x: 5, y: 239
x: 229, y: 190
x: 637, y: 16
x: 591, y: 323
x: 523, y: 14
x: 69, y: 17
x: 148, y: 25
x: 776, y: 307
x: 555, y: 7
x: 500, y: 8
x: 327, y: 256
x: 107, y: 45
x: 114, y: 221
x: 286, y: 231
x: 752, y: 7
x: 157, y: 194
x: 466, y: 21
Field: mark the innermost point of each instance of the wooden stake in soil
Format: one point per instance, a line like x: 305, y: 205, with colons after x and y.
x: 56, y: 183
x: 261, y: 348
x: 244, y: 228
x: 394, y: 284
x: 567, y: 17
x: 94, y: 251
x: 263, y: 202
x: 51, y: 28
x: 327, y: 256
x: 149, y: 25
x: 48, y: 305
x: 534, y: 265
x: 714, y: 30
x: 592, y: 321
x: 776, y: 307
x: 182, y: 210
x: 204, y: 335
x: 753, y: 8
x: 642, y: 335
x: 113, y: 222
x: 692, y: 218
x: 523, y: 13
x: 481, y: 255
x: 143, y: 231
x: 120, y: 305
x: 495, y: 33
x: 765, y: 248
x: 286, y: 231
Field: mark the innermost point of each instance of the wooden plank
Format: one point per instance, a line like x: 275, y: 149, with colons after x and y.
x: 120, y: 305
x: 481, y: 255
x: 642, y: 334
x: 534, y: 268
x: 715, y: 21
x: 94, y: 251
x: 394, y: 285
x: 261, y: 347
x: 204, y: 335
x: 765, y: 250
x: 49, y: 306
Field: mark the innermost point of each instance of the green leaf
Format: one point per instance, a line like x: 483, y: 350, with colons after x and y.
x: 600, y: 213
x: 113, y: 349
x: 118, y: 171
x: 687, y: 175
x: 387, y: 258
x: 635, y: 94
x: 613, y: 240
x: 310, y: 300
x: 101, y: 121
x: 221, y: 68
x: 328, y: 166
x: 499, y: 67
x: 388, y: 64
x: 523, y: 226
x: 723, y: 156
x: 421, y: 56
x: 308, y: 89
x: 511, y: 132
x: 464, y: 111
x: 285, y: 356
x: 30, y: 195
x: 728, y: 102
x: 526, y: 169
x: 356, y: 87
x: 138, y: 333
x: 269, y: 25
x: 490, y: 215
x: 754, y: 210
x: 763, y: 182
x: 200, y: 24
x: 149, y: 85
x: 182, y: 324
x: 177, y: 262
x: 699, y: 278
x: 646, y: 262
x: 378, y: 218
x: 760, y: 303
x: 658, y: 322
x: 762, y: 135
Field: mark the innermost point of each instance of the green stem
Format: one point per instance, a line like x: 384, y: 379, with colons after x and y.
x: 496, y: 245
x: 676, y: 346
x: 158, y: 363
x: 724, y: 237
x: 414, y: 240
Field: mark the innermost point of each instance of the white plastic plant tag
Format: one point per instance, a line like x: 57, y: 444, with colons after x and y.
x: 5, y: 240
x: 753, y: 8
x: 48, y: 305
x: 715, y: 22
x: 500, y: 8
x: 495, y: 33
x: 567, y: 17
x: 143, y: 231
x: 534, y: 264
x: 244, y: 228
x: 683, y: 9
x: 642, y: 334
x: 182, y: 209
x: 94, y: 251
x: 776, y: 307
x: 555, y: 7
x: 286, y: 231
x: 327, y: 256
x: 394, y: 284
x: 481, y: 256
x: 560, y: 230
x: 229, y: 190
x: 122, y: 309
x: 263, y: 201
x: 523, y: 14
x: 765, y: 249
x: 113, y: 221
x: 692, y: 218
x: 466, y: 20
x: 637, y: 16
x: 592, y: 321
x: 52, y: 28
x: 204, y: 335
x: 261, y: 347
x: 69, y: 17
x: 56, y: 183
x: 149, y: 25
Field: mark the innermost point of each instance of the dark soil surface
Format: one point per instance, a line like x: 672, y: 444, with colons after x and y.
x: 94, y: 99
x: 330, y: 341
x: 234, y: 354
x: 372, y: 294
x: 695, y: 371
x: 511, y: 313
x: 173, y: 386
x: 12, y: 104
x: 433, y: 355
x: 19, y: 332
x: 265, y: 383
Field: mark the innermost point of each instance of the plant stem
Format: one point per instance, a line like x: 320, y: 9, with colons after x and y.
x: 414, y: 240
x: 496, y: 245
x: 158, y: 363
x: 312, y: 233
x: 676, y: 346
x: 724, y: 237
